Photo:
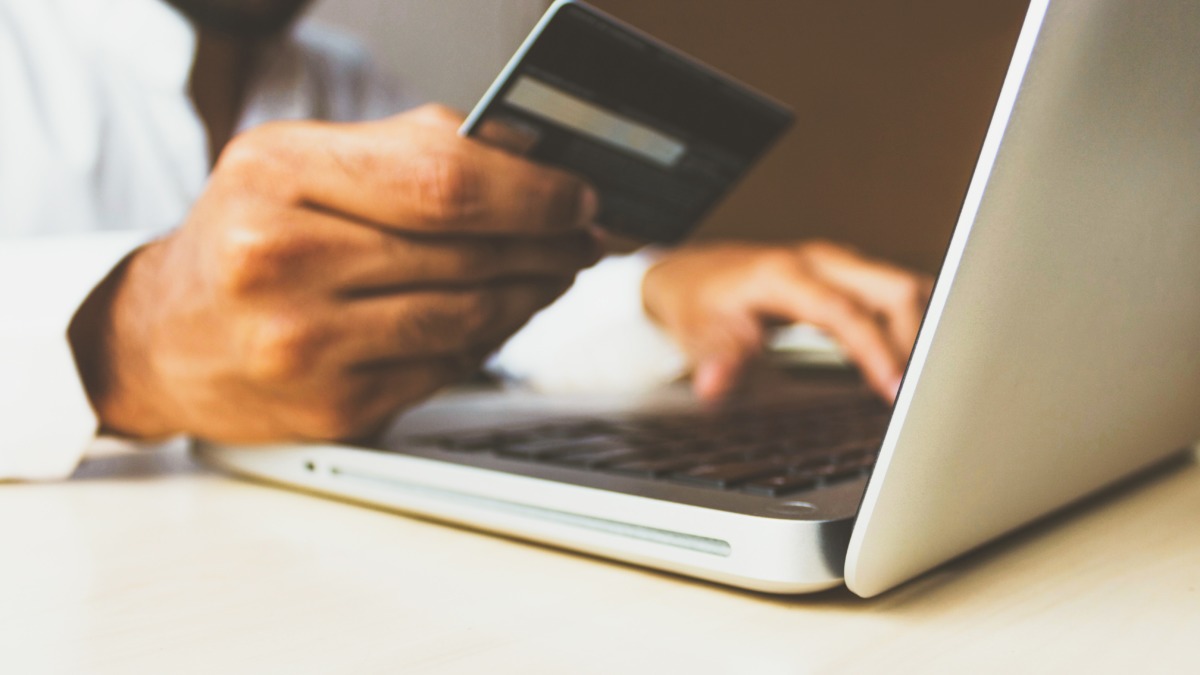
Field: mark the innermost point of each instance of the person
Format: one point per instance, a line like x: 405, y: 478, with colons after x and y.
x: 216, y: 224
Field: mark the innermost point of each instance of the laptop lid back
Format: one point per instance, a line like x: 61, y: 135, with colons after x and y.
x: 1061, y: 350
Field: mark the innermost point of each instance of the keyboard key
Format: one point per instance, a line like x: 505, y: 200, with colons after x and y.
x: 597, y: 455
x: 464, y: 443
x: 652, y: 468
x: 571, y: 429
x: 546, y: 448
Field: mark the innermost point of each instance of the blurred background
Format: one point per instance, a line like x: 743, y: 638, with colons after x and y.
x: 892, y: 98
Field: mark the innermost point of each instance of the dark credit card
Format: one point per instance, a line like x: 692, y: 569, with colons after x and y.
x: 662, y: 136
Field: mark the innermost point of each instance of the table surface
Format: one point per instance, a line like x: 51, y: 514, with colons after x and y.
x: 148, y: 563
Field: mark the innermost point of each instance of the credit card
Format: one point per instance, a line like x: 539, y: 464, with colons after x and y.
x: 662, y: 136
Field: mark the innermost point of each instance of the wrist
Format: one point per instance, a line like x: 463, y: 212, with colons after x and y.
x: 112, y: 359
x: 651, y: 287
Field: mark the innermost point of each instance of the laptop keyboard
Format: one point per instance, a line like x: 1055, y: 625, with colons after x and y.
x: 771, y: 452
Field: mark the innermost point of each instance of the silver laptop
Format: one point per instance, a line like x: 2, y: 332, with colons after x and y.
x: 1060, y: 353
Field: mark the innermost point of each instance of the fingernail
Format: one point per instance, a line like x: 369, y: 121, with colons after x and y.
x: 895, y: 388
x: 589, y: 206
x: 709, y: 379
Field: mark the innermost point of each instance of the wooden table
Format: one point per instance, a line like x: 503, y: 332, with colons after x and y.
x: 146, y: 563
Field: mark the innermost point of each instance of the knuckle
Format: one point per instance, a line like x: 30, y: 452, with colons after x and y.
x: 818, y: 249
x: 241, y: 266
x: 252, y: 258
x: 262, y: 163
x: 447, y: 186
x: 438, y: 114
x: 282, y: 348
x: 774, y: 264
x: 261, y: 153
x: 244, y: 154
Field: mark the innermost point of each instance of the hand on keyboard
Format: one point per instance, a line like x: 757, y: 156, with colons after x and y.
x: 718, y: 301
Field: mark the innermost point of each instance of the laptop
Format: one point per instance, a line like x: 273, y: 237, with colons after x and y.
x: 1060, y: 353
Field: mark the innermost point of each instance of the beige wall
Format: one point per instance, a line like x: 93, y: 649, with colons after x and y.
x: 892, y: 98
x: 450, y: 50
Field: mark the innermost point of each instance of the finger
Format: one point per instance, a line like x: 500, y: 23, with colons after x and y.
x: 408, y: 176
x: 356, y: 259
x: 715, y: 377
x: 435, y: 116
x: 888, y: 290
x: 459, y: 262
x: 896, y: 294
x: 721, y: 351
x: 799, y: 297
x: 404, y: 326
x: 511, y: 136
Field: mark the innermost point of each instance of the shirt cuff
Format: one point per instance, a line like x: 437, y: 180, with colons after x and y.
x: 596, y: 338
x: 47, y: 419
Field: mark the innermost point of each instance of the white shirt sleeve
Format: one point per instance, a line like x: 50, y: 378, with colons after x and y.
x: 595, y: 338
x: 46, y: 420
